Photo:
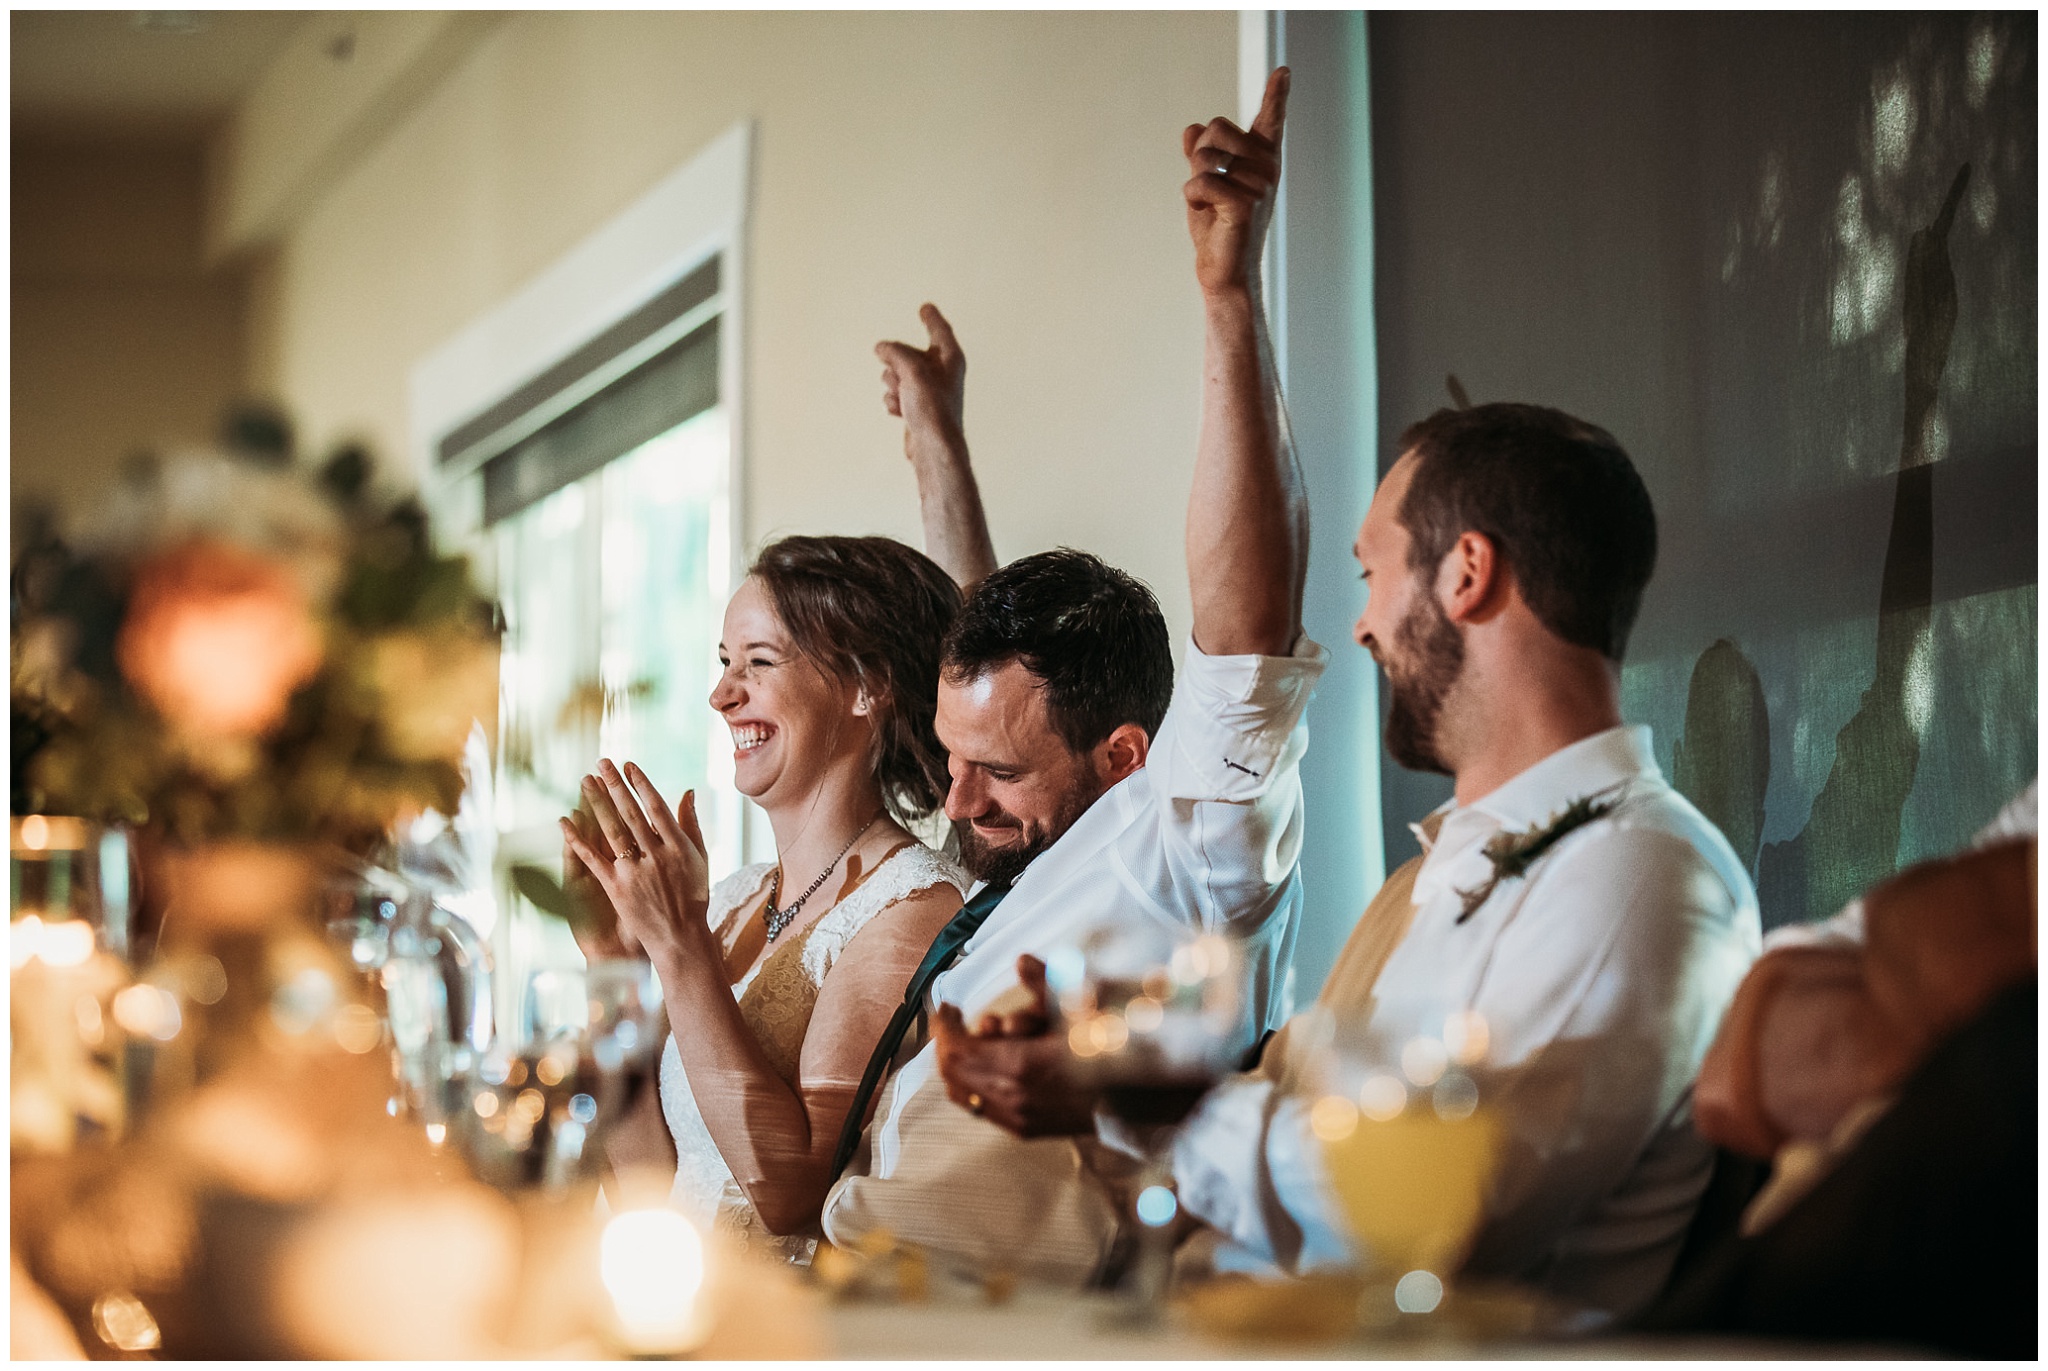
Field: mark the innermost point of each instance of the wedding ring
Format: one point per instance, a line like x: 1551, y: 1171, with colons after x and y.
x: 629, y: 854
x: 974, y: 1104
x: 1223, y: 167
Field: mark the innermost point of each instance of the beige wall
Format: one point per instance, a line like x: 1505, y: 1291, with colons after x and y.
x: 1021, y: 170
x: 120, y: 339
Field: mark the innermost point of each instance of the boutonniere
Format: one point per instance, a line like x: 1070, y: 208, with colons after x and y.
x: 1512, y: 854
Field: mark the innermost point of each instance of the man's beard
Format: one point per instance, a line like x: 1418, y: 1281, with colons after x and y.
x: 1003, y: 865
x: 1429, y: 652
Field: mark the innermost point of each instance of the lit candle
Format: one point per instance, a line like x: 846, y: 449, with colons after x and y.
x: 652, y: 1261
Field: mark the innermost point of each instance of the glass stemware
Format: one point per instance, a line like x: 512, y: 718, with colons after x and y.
x: 1153, y: 1021
x: 1410, y: 1147
x: 581, y: 1055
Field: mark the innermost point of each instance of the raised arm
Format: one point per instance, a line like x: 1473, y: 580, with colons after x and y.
x: 927, y: 389
x: 1247, y: 533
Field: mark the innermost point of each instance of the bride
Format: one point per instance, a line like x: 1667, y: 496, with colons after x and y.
x: 780, y: 979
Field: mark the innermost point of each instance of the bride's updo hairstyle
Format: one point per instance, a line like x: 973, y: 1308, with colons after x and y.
x: 873, y: 612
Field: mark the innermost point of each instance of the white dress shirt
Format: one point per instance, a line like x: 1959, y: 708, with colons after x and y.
x: 1602, y: 976
x: 1205, y: 837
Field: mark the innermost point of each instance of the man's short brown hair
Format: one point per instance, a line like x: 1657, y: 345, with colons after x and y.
x: 1558, y: 498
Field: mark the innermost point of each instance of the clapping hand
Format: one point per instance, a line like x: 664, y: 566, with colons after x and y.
x: 649, y: 864
x: 1011, y: 1069
x: 927, y: 387
x: 596, y: 926
x: 1230, y: 194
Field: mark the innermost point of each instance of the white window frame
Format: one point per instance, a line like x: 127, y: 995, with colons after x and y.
x: 695, y: 213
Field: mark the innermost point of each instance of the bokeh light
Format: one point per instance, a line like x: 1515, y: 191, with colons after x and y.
x: 1382, y: 1098
x: 205, y: 979
x: 1455, y: 1097
x: 125, y: 1323
x: 1423, y: 1060
x: 1418, y: 1292
x: 148, y: 1011
x: 358, y: 1029
x: 652, y: 1263
x: 1467, y: 1037
x: 1333, y: 1118
x: 1156, y: 1206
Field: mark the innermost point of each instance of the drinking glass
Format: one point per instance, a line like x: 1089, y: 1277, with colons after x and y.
x: 581, y: 1055
x: 67, y: 941
x: 1409, y: 1144
x: 1153, y: 1021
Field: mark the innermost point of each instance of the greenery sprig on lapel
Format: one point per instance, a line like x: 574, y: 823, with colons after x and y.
x: 1512, y: 854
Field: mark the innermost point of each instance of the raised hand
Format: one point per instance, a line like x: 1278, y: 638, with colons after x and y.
x: 1247, y: 530
x: 1230, y: 193
x: 655, y: 872
x: 927, y: 388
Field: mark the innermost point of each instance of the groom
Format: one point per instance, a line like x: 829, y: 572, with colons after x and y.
x: 1087, y: 785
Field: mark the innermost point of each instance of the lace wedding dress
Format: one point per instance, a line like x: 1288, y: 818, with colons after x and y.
x: 776, y: 999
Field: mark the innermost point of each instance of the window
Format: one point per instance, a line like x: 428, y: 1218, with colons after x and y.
x: 581, y: 445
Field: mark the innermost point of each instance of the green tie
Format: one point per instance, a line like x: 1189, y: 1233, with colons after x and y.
x: 944, y: 949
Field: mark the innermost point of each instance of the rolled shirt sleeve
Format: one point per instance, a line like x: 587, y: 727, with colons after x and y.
x: 1225, y: 781
x: 1235, y: 724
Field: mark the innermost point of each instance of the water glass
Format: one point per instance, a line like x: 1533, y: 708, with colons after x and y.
x: 1410, y: 1147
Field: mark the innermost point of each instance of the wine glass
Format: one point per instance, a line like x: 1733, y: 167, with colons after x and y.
x: 582, y: 1053
x: 1409, y: 1144
x: 1153, y: 1021
x: 627, y: 1021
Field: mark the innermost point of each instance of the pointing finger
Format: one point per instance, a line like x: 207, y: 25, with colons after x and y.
x: 943, y: 340
x: 1273, y: 109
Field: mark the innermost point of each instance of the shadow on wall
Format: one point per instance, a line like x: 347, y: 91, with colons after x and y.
x: 1723, y: 759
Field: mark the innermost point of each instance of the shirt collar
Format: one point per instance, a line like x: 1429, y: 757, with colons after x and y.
x: 1535, y: 796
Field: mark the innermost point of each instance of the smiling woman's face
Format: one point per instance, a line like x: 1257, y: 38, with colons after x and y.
x: 791, y: 723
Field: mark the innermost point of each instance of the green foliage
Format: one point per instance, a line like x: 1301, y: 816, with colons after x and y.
x: 406, y: 655
x: 1512, y: 854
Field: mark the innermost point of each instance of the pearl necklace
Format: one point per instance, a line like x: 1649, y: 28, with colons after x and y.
x: 779, y: 919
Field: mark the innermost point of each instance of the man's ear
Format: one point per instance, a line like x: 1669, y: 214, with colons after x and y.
x: 1472, y: 580
x: 1122, y: 752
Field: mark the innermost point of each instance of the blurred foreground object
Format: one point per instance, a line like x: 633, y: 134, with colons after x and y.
x: 1410, y: 1149
x: 240, y: 647
x: 1887, y: 1062
x: 1821, y: 1028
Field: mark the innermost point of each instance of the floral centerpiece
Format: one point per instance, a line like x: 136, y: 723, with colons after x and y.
x: 241, y: 647
x: 254, y: 665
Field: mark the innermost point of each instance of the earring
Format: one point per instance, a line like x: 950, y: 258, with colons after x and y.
x: 860, y: 703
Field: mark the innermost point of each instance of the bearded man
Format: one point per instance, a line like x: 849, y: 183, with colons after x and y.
x: 1087, y: 784
x: 1590, y: 917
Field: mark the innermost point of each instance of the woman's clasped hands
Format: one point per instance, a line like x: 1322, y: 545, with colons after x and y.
x: 648, y: 864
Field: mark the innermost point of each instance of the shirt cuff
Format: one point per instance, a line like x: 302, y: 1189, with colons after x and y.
x: 1234, y: 722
